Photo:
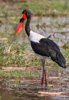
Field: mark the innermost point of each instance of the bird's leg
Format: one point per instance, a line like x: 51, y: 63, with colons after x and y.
x: 45, y: 78
x: 44, y: 73
x: 43, y: 64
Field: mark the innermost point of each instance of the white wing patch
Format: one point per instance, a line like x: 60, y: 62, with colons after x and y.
x: 35, y: 37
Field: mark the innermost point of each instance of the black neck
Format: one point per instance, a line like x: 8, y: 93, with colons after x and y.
x: 27, y: 27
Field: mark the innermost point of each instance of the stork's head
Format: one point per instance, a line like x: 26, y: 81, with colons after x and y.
x: 26, y: 14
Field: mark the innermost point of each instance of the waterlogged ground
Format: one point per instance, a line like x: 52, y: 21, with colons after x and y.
x: 13, y: 96
x: 29, y: 86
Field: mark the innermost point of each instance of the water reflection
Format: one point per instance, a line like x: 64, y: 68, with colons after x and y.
x: 45, y: 98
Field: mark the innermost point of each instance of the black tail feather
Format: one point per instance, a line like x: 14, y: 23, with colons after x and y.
x: 60, y: 60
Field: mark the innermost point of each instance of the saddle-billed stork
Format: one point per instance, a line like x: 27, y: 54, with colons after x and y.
x: 41, y: 45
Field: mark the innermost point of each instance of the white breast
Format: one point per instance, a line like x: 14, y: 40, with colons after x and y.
x: 35, y: 37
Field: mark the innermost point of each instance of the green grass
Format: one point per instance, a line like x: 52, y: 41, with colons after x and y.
x: 44, y: 7
x: 15, y: 74
x: 47, y: 8
x: 16, y: 54
x: 66, y: 45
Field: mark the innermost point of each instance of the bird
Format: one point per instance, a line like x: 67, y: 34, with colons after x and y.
x: 42, y: 46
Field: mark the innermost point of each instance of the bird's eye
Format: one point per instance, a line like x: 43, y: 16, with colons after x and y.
x: 24, y: 12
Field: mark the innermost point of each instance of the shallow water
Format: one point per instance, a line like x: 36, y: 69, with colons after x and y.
x: 28, y: 89
x: 11, y: 95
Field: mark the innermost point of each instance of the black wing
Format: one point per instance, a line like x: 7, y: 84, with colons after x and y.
x: 47, y: 47
x: 44, y: 47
